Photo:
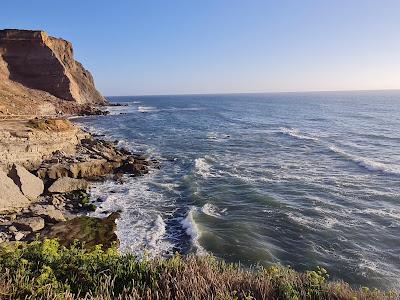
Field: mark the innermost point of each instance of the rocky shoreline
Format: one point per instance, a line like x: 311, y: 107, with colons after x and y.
x: 51, y: 197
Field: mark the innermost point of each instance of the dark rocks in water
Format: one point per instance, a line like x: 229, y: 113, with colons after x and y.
x: 88, y: 110
x: 94, y: 160
x: 117, y: 104
x: 134, y: 167
x: 91, y: 231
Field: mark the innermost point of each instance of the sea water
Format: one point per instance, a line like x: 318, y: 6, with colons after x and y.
x: 299, y: 179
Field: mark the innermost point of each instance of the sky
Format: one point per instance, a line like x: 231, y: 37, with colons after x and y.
x: 223, y: 46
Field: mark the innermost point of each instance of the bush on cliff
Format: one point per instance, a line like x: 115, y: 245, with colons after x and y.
x: 47, y: 270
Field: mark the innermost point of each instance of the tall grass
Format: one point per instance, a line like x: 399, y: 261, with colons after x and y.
x: 47, y: 270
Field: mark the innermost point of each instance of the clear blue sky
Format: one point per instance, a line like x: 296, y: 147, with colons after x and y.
x: 206, y: 46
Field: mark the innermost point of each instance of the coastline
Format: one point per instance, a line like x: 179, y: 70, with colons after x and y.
x: 65, y: 160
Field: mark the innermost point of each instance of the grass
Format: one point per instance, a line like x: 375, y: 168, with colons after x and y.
x: 47, y: 270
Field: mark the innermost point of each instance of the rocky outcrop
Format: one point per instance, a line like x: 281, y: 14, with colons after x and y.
x: 48, y: 212
x: 29, y: 224
x: 91, y: 231
x: 29, y: 143
x: 30, y: 185
x: 42, y: 62
x: 67, y: 185
x: 94, y: 159
x: 11, y: 198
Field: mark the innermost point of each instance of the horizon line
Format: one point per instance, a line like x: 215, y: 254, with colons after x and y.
x: 245, y: 93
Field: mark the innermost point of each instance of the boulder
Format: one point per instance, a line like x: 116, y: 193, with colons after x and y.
x: 11, y: 198
x: 30, y: 224
x: 91, y: 231
x: 135, y: 167
x: 67, y: 185
x: 48, y: 212
x: 30, y: 185
x: 18, y: 236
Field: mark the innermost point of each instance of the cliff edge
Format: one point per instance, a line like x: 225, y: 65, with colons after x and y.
x: 39, y: 71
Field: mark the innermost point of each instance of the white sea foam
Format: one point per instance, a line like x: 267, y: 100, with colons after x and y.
x: 367, y: 163
x: 141, y: 226
x: 212, y: 210
x: 294, y: 132
x: 147, y: 109
x: 203, y: 167
x: 192, y: 230
x: 217, y: 136
x: 313, y: 223
x: 157, y: 232
x: 117, y: 110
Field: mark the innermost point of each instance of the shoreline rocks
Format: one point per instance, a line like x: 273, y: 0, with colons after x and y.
x: 91, y: 231
x: 30, y: 185
x: 57, y: 187
x: 67, y: 185
x: 11, y: 197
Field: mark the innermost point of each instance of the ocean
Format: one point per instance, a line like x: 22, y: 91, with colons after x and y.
x: 299, y: 179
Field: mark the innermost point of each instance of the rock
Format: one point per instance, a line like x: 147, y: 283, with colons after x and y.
x: 30, y: 185
x: 133, y: 167
x: 31, y: 224
x: 4, y: 237
x: 12, y: 229
x: 48, y: 212
x: 92, y: 168
x: 11, y: 198
x: 92, y: 231
x: 67, y: 185
x: 18, y: 236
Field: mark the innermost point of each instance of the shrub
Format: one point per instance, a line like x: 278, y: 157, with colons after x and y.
x: 47, y: 270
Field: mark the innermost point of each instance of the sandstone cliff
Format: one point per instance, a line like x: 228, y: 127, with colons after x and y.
x: 38, y: 75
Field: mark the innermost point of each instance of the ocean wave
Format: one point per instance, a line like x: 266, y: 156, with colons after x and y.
x: 384, y: 213
x: 118, y: 110
x: 192, y: 230
x: 157, y: 232
x: 150, y: 109
x: 212, y: 210
x: 141, y: 227
x: 147, y: 109
x: 294, y: 132
x: 366, y: 163
x: 203, y: 167
x: 216, y: 136
x: 313, y: 223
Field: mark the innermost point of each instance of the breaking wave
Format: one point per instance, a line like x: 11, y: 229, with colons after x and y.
x: 212, y: 210
x: 294, y: 132
x: 366, y: 163
x: 192, y: 230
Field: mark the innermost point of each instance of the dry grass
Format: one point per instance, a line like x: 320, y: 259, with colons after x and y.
x: 55, y: 125
x: 56, y: 273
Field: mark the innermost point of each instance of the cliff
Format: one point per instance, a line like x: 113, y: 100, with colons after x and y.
x: 39, y: 71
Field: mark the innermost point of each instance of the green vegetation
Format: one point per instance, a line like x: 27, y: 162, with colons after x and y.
x: 47, y: 270
x: 83, y: 198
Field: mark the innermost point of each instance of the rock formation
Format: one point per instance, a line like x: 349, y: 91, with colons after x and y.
x: 11, y: 198
x: 40, y: 70
x: 30, y: 185
x: 67, y: 184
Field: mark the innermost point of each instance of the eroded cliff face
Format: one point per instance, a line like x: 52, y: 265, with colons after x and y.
x: 32, y: 60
